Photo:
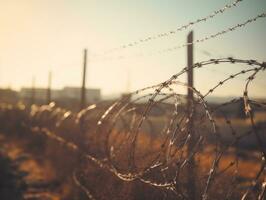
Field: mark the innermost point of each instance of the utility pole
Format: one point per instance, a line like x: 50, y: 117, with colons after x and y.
x: 49, y: 87
x: 83, y: 87
x: 191, y: 173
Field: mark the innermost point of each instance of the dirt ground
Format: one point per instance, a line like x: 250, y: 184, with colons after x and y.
x: 23, y: 176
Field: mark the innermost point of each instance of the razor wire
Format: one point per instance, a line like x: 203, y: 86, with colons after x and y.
x: 144, y: 137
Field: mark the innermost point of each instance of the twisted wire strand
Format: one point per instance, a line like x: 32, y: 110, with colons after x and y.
x: 204, y: 39
x: 172, y: 32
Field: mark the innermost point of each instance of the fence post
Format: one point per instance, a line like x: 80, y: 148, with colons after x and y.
x: 191, y: 185
x: 32, y: 100
x: 49, y: 87
x: 83, y: 87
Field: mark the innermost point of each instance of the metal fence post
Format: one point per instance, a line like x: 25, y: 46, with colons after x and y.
x: 32, y: 100
x: 83, y: 87
x: 191, y: 185
x: 49, y: 87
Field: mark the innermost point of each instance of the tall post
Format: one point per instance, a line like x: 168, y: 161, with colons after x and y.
x: 191, y: 185
x: 49, y: 87
x: 83, y: 88
x: 32, y: 101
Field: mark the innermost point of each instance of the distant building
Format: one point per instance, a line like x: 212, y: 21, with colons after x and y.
x: 39, y: 93
x: 8, y: 96
x: 92, y: 95
x: 67, y: 93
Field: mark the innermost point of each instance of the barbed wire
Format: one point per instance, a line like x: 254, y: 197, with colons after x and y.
x: 230, y: 29
x: 171, y: 49
x: 144, y: 137
x: 172, y: 32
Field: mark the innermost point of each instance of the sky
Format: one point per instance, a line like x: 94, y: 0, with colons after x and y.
x: 38, y: 36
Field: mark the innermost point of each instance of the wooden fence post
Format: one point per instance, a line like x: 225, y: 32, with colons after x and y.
x: 49, y: 87
x: 83, y: 87
x: 32, y: 100
x: 191, y: 173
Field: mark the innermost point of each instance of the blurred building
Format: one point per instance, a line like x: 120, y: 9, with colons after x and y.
x: 65, y: 94
x: 39, y: 93
x: 8, y: 96
x: 92, y: 95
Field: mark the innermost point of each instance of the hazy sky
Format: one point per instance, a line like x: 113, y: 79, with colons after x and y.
x: 41, y: 35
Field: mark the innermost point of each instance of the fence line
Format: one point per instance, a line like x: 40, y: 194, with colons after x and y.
x: 206, y: 38
x: 172, y: 32
x: 144, y: 137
